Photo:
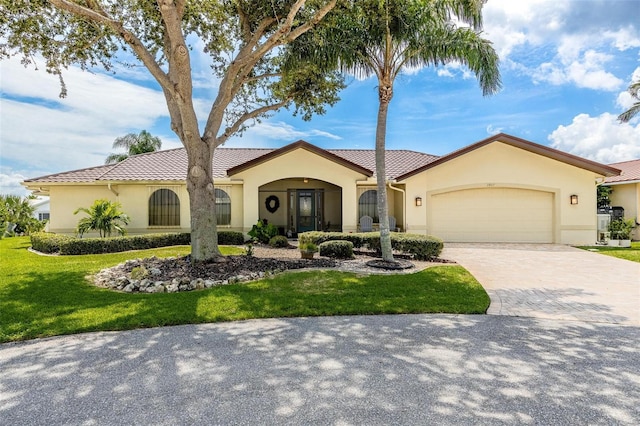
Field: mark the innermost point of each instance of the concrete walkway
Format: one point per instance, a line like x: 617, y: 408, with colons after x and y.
x: 553, y: 281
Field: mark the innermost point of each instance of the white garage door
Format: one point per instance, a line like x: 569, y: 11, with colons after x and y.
x: 493, y: 215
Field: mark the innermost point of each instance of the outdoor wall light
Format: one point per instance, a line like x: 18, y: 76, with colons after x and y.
x: 418, y: 201
x: 574, y: 199
x: 305, y: 180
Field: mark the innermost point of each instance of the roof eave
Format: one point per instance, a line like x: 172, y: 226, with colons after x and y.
x: 533, y: 147
x: 299, y: 145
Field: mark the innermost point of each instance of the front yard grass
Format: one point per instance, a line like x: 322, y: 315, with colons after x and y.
x: 50, y: 295
x: 630, y: 253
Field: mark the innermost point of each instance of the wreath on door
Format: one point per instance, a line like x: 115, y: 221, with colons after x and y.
x: 272, y: 203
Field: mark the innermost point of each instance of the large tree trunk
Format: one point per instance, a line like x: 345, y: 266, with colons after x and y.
x: 204, y: 233
x: 385, y: 92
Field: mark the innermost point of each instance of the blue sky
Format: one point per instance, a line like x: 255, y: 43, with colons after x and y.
x: 565, y: 67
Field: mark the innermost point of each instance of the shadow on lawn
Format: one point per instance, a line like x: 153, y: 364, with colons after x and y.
x: 65, y: 302
x: 407, y: 369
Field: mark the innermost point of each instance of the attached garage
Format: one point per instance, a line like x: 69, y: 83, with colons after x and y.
x: 493, y: 215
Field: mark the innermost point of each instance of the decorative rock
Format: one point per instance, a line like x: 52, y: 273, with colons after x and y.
x: 155, y: 271
x: 144, y: 284
x: 128, y: 288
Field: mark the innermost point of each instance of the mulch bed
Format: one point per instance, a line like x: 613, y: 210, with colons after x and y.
x: 230, y: 266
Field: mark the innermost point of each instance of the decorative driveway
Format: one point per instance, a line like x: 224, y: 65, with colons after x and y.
x: 553, y: 281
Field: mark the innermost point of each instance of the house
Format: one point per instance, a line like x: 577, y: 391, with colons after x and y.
x: 500, y: 189
x: 626, y: 191
x: 40, y: 208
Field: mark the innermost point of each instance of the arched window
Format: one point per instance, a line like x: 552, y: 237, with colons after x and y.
x: 164, y: 208
x: 223, y: 207
x: 368, y: 204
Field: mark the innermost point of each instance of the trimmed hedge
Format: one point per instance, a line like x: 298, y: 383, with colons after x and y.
x: 279, y: 241
x: 338, y: 249
x: 66, y: 245
x: 420, y: 247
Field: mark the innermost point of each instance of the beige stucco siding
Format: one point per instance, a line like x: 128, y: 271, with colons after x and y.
x: 628, y: 197
x: 67, y: 199
x: 499, y: 165
x: 297, y: 165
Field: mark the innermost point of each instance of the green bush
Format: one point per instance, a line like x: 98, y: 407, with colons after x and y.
x: 420, y: 247
x: 230, y: 238
x: 62, y: 244
x: 338, y: 249
x: 279, y: 241
x: 263, y: 233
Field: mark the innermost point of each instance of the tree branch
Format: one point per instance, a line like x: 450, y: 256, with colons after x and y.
x: 101, y: 17
x: 248, y: 116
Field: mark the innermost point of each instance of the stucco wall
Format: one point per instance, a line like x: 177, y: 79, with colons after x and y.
x: 628, y: 197
x: 499, y: 165
x: 65, y: 200
x: 298, y: 164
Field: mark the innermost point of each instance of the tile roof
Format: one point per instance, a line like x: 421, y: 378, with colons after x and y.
x: 630, y: 172
x: 83, y: 175
x: 171, y: 165
x: 398, y: 162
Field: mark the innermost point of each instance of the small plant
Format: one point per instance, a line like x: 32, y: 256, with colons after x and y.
x: 279, y: 241
x: 307, y: 250
x: 263, y: 232
x: 103, y: 216
x: 139, y: 273
x: 620, y: 229
x: 309, y: 247
x: 248, y: 250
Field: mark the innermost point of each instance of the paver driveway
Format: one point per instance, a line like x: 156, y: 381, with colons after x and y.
x: 553, y: 281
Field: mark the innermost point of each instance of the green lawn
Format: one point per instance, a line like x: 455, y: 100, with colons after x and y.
x: 630, y: 253
x: 50, y: 295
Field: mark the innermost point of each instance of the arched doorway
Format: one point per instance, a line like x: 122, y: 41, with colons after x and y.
x: 298, y: 205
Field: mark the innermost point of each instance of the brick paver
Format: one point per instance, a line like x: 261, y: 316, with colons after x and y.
x: 553, y: 281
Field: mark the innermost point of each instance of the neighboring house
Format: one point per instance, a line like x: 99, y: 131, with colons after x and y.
x: 41, y: 208
x: 501, y: 189
x: 626, y: 191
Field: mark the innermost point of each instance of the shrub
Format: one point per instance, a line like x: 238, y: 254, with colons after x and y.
x: 279, y: 241
x: 54, y: 243
x: 338, y: 249
x: 420, y: 247
x: 263, y: 232
x: 230, y: 238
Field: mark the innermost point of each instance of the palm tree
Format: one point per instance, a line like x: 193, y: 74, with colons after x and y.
x: 383, y: 37
x: 134, y: 144
x: 103, y: 216
x: 634, y: 90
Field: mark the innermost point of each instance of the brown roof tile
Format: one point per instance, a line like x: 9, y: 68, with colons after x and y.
x: 170, y: 165
x: 630, y: 172
x: 83, y: 175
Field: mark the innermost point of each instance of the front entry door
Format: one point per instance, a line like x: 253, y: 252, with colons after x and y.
x: 307, y: 217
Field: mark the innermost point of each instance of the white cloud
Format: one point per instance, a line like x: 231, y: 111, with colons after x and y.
x: 600, y: 138
x: 455, y: 69
x: 41, y: 131
x: 625, y: 100
x: 10, y: 183
x: 494, y: 130
x: 586, y: 71
x: 566, y: 42
x: 263, y: 134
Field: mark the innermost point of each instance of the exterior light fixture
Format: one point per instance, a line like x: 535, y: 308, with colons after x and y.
x: 574, y: 199
x: 418, y: 201
x: 305, y: 180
